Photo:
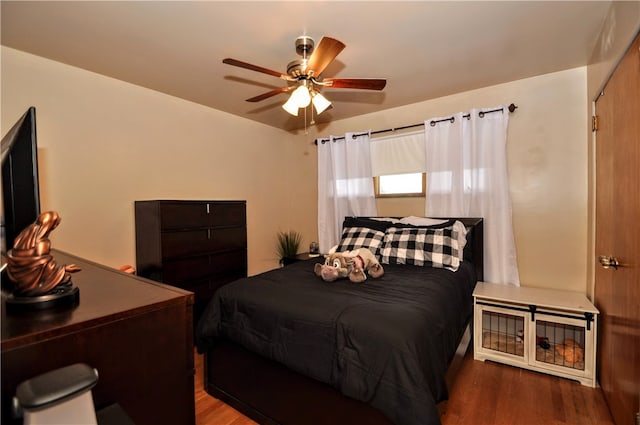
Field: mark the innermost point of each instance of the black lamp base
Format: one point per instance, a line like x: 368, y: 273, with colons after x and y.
x: 62, y: 296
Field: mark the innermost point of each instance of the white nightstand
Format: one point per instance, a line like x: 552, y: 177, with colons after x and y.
x: 546, y: 330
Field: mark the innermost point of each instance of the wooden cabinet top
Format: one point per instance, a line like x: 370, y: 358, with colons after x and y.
x: 106, y: 295
x: 195, y: 201
x: 550, y: 298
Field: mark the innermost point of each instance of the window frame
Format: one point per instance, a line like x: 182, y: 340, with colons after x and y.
x: 376, y: 189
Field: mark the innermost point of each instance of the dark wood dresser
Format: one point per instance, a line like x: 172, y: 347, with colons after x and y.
x: 137, y: 333
x: 195, y: 245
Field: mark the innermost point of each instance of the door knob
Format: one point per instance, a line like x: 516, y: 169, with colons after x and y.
x: 607, y: 261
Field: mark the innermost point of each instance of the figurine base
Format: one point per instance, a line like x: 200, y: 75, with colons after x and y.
x: 64, y: 296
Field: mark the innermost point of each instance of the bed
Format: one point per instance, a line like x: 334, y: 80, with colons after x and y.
x: 284, y: 347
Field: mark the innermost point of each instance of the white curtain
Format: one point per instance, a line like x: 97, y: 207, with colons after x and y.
x: 398, y: 154
x: 345, y: 185
x: 466, y: 166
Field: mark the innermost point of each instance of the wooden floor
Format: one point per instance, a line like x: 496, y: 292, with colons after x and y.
x: 484, y: 393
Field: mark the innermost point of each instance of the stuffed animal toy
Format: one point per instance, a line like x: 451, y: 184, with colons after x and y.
x: 571, y: 351
x: 335, y: 267
x: 363, y: 260
x: 350, y: 264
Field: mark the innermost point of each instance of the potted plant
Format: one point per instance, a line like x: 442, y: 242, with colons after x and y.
x: 288, y: 244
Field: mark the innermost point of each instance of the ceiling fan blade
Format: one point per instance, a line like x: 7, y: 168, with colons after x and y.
x: 267, y: 95
x: 324, y: 53
x: 355, y: 83
x: 256, y: 68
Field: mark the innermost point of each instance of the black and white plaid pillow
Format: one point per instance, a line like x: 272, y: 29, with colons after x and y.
x: 421, y: 247
x: 361, y: 237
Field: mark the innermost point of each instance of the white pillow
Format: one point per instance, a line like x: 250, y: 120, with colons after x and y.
x: 389, y: 219
x: 421, y: 221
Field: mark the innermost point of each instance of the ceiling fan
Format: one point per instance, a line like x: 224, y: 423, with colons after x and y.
x: 303, y: 75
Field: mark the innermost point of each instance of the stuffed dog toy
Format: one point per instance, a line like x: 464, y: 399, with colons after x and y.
x: 350, y: 264
x: 571, y: 351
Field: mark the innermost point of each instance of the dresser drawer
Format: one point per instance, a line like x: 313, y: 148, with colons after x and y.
x: 187, y: 242
x: 228, y: 263
x: 216, y: 266
x: 176, y: 272
x: 195, y: 214
x: 181, y: 215
x: 224, y: 214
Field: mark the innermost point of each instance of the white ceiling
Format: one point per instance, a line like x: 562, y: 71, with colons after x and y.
x: 425, y: 49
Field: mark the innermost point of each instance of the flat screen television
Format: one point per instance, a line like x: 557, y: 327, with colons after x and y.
x: 20, y: 189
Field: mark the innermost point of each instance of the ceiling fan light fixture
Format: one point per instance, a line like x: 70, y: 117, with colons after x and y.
x: 301, y: 96
x: 320, y: 102
x: 291, y: 106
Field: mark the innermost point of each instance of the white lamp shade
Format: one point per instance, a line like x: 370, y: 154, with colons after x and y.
x: 291, y: 106
x: 320, y: 102
x: 301, y: 96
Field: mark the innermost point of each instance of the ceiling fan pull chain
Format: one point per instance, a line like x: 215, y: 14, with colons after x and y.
x: 313, y: 121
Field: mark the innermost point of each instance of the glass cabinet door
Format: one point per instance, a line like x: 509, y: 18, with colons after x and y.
x: 561, y: 344
x: 504, y: 332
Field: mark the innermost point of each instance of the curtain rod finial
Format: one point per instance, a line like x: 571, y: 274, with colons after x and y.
x: 512, y: 107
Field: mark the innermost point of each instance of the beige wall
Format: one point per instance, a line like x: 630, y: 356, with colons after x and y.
x: 547, y: 154
x: 104, y: 143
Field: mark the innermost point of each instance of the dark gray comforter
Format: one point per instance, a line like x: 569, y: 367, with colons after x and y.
x: 387, y: 341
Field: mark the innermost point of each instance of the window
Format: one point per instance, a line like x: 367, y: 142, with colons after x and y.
x: 400, y: 185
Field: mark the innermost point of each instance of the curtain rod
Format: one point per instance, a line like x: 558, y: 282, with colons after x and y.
x: 512, y: 107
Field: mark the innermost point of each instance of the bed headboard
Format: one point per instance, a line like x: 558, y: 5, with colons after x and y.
x: 474, y: 250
